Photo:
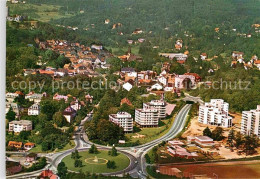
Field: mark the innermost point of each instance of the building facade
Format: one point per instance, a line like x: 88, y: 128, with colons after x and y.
x: 215, y: 113
x: 160, y: 105
x: 34, y: 110
x: 147, y: 117
x: 250, y: 122
x: 18, y: 126
x: 123, y: 119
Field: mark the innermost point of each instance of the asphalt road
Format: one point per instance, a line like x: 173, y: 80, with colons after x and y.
x: 176, y: 128
x: 137, y: 167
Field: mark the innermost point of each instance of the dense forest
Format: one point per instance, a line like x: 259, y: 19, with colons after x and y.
x: 165, y: 21
x: 162, y: 22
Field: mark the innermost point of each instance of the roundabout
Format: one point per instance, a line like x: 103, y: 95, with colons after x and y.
x: 97, y: 163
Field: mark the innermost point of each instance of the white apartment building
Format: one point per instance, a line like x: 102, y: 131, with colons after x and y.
x: 250, y: 122
x: 18, y: 126
x: 147, y: 117
x: 34, y: 110
x: 215, y: 113
x: 160, y: 105
x: 123, y: 119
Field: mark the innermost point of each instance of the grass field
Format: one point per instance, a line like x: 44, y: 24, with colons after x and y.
x: 121, y: 161
x: 38, y: 148
x: 123, y: 50
x: 152, y: 133
x: 42, y: 12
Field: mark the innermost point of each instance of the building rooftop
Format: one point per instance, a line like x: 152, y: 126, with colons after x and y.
x: 21, y: 122
x: 203, y: 138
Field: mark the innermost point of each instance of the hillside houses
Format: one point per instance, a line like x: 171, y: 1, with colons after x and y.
x: 83, y: 59
x: 165, y: 82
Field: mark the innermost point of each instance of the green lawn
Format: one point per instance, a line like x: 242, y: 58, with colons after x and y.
x: 38, y: 148
x: 42, y: 12
x: 121, y: 161
x: 152, y: 133
x: 123, y: 50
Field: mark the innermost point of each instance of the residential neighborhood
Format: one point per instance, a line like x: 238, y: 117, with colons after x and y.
x: 132, y: 89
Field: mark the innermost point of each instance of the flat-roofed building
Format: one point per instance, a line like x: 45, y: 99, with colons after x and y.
x: 18, y: 126
x: 147, y: 117
x: 250, y: 122
x: 215, y: 113
x: 160, y: 105
x: 123, y: 119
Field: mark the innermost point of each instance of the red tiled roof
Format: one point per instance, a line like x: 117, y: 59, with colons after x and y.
x: 126, y: 101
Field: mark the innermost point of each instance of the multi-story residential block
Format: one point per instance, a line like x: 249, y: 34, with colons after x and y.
x: 250, y: 122
x: 123, y: 119
x: 18, y: 126
x: 160, y: 105
x: 215, y: 113
x: 34, y: 110
x: 147, y: 117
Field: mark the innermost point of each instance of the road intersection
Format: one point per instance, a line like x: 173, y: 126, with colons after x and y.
x: 136, y: 155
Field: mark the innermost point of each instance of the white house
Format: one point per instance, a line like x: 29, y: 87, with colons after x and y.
x: 69, y: 113
x: 96, y: 47
x: 157, y: 86
x: 34, y: 110
x: 127, y: 86
x: 14, y: 106
x: 35, y: 97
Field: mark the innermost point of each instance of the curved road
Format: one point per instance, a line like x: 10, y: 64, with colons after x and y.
x: 137, y: 167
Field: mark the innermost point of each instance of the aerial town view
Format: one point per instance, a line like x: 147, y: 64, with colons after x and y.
x: 132, y: 89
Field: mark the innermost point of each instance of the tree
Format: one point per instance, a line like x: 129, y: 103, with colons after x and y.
x: 49, y: 107
x: 78, y: 163
x: 231, y: 136
x: 170, y: 97
x: 238, y: 139
x: 217, y: 134
x: 62, y: 170
x: 147, y: 158
x: 59, y: 119
x: 75, y: 155
x: 111, y: 164
x: 251, y: 143
x: 24, y: 135
x: 207, y: 132
x: 45, y: 146
x: 10, y: 115
x: 113, y: 151
x: 93, y: 149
